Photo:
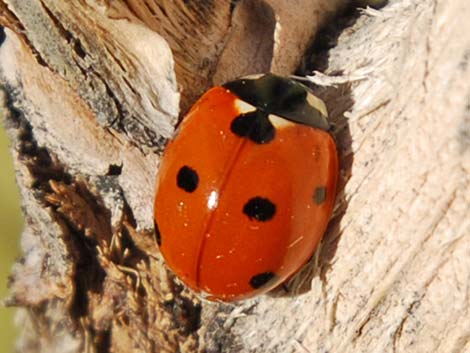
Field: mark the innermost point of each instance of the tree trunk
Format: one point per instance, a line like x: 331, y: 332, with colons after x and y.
x: 90, y: 97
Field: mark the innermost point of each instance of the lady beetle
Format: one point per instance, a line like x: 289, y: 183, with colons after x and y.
x: 246, y: 188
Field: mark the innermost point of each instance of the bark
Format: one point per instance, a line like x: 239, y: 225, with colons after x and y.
x: 91, y: 91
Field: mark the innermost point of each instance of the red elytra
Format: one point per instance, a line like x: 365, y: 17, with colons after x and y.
x: 246, y: 188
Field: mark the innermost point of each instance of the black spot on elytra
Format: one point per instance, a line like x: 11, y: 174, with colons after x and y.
x: 319, y: 195
x: 260, y: 209
x: 261, y: 279
x: 158, y: 235
x: 187, y: 179
x: 254, y: 125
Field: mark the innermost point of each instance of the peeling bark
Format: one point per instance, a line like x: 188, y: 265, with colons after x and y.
x: 91, y: 91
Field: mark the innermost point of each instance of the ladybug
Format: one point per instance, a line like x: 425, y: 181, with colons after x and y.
x: 246, y: 188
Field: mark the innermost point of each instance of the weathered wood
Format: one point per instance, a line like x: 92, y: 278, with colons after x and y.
x: 90, y: 96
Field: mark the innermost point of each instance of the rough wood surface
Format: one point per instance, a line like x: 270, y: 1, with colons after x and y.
x: 90, y: 95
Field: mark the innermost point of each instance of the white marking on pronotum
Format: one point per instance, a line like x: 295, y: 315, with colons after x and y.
x: 213, y: 200
x: 243, y: 107
x: 278, y: 122
x: 295, y: 242
x: 317, y: 103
